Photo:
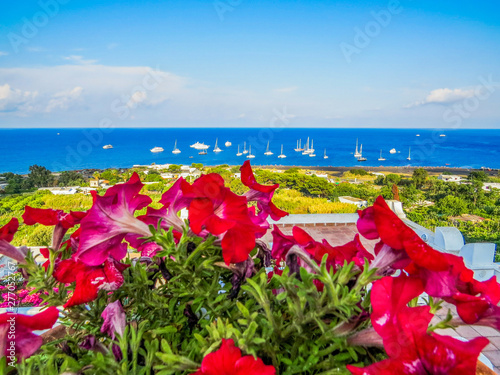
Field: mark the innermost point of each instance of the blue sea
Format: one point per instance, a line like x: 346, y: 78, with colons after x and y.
x: 74, y: 149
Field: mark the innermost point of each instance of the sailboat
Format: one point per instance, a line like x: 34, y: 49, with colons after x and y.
x: 356, y: 153
x: 216, y: 148
x: 306, y: 148
x: 361, y: 158
x: 268, y: 152
x: 176, y: 150
x: 299, y: 147
x: 381, y: 158
x: 409, y: 154
x: 311, y: 150
x: 282, y: 155
x: 250, y: 156
x: 239, y: 153
x: 325, y: 156
x: 245, y: 151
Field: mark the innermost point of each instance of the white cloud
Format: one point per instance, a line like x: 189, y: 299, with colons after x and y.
x: 77, y: 59
x: 64, y: 99
x: 286, y: 89
x: 445, y: 96
x: 12, y: 99
x: 2, y: 53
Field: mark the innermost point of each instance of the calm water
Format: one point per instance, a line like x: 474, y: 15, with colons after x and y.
x: 68, y: 149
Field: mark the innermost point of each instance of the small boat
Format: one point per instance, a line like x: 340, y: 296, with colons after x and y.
x: 381, y: 158
x: 299, y: 147
x: 325, y: 156
x: 311, y: 150
x: 312, y: 155
x: 268, y: 152
x: 245, y: 151
x: 357, y: 154
x: 306, y: 149
x: 442, y: 135
x: 156, y: 149
x: 250, y: 156
x: 196, y: 145
x: 361, y: 158
x: 409, y: 155
x: 239, y: 153
x: 107, y: 147
x: 282, y: 155
x: 176, y: 150
x: 393, y: 151
x: 228, y: 144
x: 418, y: 135
x: 216, y: 148
x: 202, y: 152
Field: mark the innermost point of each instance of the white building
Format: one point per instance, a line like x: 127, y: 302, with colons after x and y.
x: 450, y: 178
x: 351, y: 200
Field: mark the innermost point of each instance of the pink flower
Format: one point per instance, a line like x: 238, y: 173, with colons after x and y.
x: 114, y: 319
x: 6, y: 236
x: 59, y: 219
x: 25, y: 342
x: 228, y: 361
x: 109, y: 220
x: 262, y: 194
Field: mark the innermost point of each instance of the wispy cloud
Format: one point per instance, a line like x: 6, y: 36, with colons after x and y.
x: 286, y: 89
x: 63, y: 100
x: 77, y: 59
x: 444, y: 96
x: 2, y: 53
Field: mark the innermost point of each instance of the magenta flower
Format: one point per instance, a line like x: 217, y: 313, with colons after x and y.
x: 109, y: 220
x: 6, y: 236
x: 262, y: 194
x: 114, y: 319
x: 25, y: 343
x: 59, y: 219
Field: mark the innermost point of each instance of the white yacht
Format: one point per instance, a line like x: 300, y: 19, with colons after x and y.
x: 202, y: 152
x: 311, y: 150
x: 409, y: 154
x: 196, y: 145
x: 282, y: 155
x: 156, y: 149
x: 418, y: 135
x: 325, y: 156
x: 442, y: 135
x: 393, y: 151
x: 199, y: 146
x: 381, y: 158
x: 107, y: 147
x: 306, y: 150
x: 268, y: 152
x: 361, y: 158
x: 176, y: 150
x: 250, y: 156
x: 299, y: 147
x: 228, y: 144
x: 357, y: 154
x: 216, y: 148
x: 245, y: 151
x: 239, y: 153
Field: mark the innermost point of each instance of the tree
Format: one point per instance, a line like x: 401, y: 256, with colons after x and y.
x: 173, y: 168
x: 40, y: 176
x: 392, y: 178
x: 70, y: 178
x: 419, y: 177
x: 478, y: 176
x: 452, y: 206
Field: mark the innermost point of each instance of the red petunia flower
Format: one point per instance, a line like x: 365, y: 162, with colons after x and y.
x: 222, y: 213
x: 109, y: 220
x: 228, y: 361
x: 89, y: 279
x: 404, y: 332
x: 6, y: 236
x: 25, y: 343
x: 262, y: 194
x: 61, y: 221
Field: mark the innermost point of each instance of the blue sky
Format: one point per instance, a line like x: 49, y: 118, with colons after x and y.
x: 404, y: 63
